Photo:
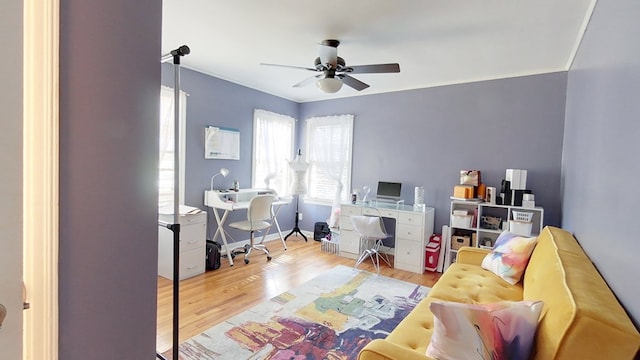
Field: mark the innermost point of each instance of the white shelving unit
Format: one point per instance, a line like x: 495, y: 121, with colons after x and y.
x: 480, y: 231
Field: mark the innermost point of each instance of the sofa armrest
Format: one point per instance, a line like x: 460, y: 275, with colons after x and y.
x: 471, y: 255
x: 384, y: 350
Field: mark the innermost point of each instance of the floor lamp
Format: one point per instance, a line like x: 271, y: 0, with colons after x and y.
x: 298, y: 188
x: 175, y: 227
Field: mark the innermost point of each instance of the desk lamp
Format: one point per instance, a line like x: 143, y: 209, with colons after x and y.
x: 224, y: 172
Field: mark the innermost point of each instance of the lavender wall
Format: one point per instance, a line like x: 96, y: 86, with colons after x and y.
x: 601, y: 147
x: 217, y: 102
x: 109, y: 90
x: 425, y: 137
x: 419, y: 137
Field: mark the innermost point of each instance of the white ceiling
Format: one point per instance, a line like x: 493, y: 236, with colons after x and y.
x: 435, y: 42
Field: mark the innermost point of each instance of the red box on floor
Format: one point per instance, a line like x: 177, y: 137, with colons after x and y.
x: 432, y: 253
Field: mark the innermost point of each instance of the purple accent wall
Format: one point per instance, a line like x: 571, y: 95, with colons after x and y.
x: 600, y: 160
x: 109, y: 91
x: 425, y: 137
x: 217, y: 102
x: 421, y: 137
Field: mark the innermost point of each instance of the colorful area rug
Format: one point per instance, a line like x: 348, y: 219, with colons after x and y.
x: 332, y: 316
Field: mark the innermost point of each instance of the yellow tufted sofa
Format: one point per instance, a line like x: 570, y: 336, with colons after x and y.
x: 581, y: 318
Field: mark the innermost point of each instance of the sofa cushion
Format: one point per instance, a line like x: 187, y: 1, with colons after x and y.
x: 471, y: 284
x: 510, y: 256
x: 502, y: 330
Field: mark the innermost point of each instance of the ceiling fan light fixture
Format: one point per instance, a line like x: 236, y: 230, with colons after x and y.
x: 329, y: 84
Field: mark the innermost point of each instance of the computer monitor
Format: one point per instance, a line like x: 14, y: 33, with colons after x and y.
x: 388, y: 190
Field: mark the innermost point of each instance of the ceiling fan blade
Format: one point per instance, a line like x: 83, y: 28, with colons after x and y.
x: 353, y: 82
x: 290, y: 67
x: 308, y: 80
x: 328, y: 55
x: 375, y: 68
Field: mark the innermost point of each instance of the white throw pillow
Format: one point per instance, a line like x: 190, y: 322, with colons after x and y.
x: 501, y: 330
x: 510, y: 256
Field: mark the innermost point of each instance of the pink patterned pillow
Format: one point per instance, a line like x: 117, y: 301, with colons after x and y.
x: 510, y: 256
x: 502, y: 330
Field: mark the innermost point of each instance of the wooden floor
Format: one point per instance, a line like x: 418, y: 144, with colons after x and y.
x: 210, y: 298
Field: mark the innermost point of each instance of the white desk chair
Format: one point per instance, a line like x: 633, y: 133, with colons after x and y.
x: 258, y: 218
x: 371, y: 230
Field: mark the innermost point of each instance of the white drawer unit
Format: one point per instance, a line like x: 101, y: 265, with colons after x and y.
x: 412, y: 231
x: 192, y: 249
x: 349, y: 239
x: 409, y: 255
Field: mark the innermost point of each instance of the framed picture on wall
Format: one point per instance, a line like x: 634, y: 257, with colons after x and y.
x: 221, y: 143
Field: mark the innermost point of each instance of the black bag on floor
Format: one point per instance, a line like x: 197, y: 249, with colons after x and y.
x: 320, y: 230
x: 213, y: 255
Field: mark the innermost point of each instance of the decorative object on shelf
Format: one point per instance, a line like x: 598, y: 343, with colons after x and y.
x: 470, y: 177
x: 490, y: 222
x: 223, y: 171
x: 528, y: 201
x: 490, y: 195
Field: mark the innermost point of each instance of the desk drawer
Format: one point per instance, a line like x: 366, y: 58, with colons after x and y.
x: 348, y: 210
x: 380, y: 212
x: 192, y: 262
x: 410, y: 218
x: 345, y: 223
x: 192, y: 236
x: 409, y: 232
x: 408, y: 252
x: 349, y: 241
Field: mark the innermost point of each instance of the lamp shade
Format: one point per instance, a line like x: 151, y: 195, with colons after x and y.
x: 223, y: 171
x: 329, y: 84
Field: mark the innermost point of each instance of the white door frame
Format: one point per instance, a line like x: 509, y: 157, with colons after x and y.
x: 40, y: 177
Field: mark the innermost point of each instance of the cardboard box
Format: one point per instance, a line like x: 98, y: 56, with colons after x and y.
x: 464, y: 191
x: 458, y: 241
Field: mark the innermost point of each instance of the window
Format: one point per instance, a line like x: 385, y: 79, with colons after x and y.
x: 329, y: 148
x: 273, y: 136
x: 167, y: 148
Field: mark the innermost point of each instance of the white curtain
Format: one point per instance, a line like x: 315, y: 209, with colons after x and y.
x: 331, y: 152
x: 167, y: 150
x: 273, y: 148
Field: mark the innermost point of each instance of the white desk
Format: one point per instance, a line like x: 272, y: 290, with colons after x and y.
x: 412, y: 232
x: 239, y: 200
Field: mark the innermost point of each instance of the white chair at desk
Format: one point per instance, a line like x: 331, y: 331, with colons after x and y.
x: 258, y: 218
x: 371, y: 230
x: 229, y: 201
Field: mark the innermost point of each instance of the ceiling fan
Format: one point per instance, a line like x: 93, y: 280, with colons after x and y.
x: 333, y: 71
